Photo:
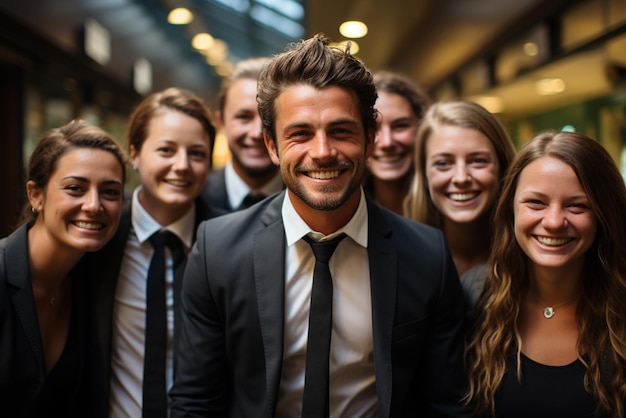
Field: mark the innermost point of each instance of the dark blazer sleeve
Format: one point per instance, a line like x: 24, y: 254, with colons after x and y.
x: 201, y: 349
x: 418, y: 304
x: 214, y: 192
x: 230, y: 343
x: 445, y: 346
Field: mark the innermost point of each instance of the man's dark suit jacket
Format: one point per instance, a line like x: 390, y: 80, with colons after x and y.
x: 104, y: 286
x: 22, y: 363
x: 215, y: 191
x: 230, y: 346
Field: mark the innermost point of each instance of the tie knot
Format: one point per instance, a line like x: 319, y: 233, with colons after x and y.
x: 323, y: 250
x: 162, y: 238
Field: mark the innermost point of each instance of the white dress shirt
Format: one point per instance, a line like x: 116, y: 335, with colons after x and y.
x: 237, y: 189
x: 129, y: 310
x: 352, y: 379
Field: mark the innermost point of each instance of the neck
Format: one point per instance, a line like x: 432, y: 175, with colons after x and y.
x: 469, y: 243
x: 257, y: 179
x: 555, y: 285
x: 327, y: 221
x: 163, y: 213
x: 50, y: 262
x: 391, y: 194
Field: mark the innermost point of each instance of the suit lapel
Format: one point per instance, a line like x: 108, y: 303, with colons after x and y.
x: 109, y: 261
x: 384, y: 278
x: 269, y: 275
x: 18, y: 276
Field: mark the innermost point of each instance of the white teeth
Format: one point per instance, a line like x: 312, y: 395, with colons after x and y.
x: 324, y: 175
x: 177, y: 182
x: 553, y: 241
x: 461, y: 197
x: 89, y: 225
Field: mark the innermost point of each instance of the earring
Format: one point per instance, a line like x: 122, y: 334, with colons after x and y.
x: 33, y: 210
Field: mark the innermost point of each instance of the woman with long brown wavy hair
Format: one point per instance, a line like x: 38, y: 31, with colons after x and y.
x: 549, y: 335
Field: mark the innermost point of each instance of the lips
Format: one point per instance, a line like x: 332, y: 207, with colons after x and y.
x: 553, y: 242
x: 178, y: 183
x: 393, y: 158
x: 93, y: 226
x: 463, y: 197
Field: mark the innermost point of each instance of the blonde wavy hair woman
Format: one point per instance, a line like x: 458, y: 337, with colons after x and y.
x: 552, y: 313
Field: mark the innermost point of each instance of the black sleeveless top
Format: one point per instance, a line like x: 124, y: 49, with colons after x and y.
x: 60, y: 385
x: 545, y: 391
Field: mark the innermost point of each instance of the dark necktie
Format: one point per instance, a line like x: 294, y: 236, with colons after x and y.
x: 251, y: 199
x: 154, y: 386
x: 315, y: 402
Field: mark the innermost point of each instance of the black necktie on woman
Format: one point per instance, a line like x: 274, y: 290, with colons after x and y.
x: 154, y: 387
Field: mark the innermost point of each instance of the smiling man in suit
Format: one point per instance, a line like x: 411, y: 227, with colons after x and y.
x: 252, y: 341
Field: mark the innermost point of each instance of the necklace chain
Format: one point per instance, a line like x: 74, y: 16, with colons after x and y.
x: 549, y: 311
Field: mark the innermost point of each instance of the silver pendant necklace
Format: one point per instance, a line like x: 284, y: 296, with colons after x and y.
x: 549, y: 311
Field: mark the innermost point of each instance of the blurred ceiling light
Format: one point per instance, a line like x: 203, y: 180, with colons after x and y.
x: 549, y: 86
x: 224, y: 69
x: 492, y: 103
x: 217, y: 53
x: 353, y: 29
x: 179, y: 16
x: 354, y: 47
x: 531, y: 49
x: 202, y: 41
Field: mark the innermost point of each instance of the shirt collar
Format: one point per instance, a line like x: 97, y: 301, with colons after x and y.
x: 145, y: 226
x: 296, y: 228
x: 237, y: 189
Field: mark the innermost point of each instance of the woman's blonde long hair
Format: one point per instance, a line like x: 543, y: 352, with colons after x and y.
x: 601, y: 316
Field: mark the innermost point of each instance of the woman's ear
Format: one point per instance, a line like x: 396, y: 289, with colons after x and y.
x: 35, y: 196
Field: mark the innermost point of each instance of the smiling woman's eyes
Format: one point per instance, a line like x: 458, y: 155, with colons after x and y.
x: 201, y: 154
x: 533, y: 202
x: 111, y: 193
x: 73, y: 188
x: 166, y: 150
x: 441, y: 164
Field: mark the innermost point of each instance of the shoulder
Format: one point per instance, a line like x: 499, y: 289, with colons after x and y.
x: 402, y: 229
x: 473, y: 282
x: 17, y: 239
x: 241, y: 225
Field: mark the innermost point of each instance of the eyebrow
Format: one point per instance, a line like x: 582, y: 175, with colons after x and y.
x: 342, y: 121
x: 85, y: 180
x: 480, y: 152
x: 544, y: 195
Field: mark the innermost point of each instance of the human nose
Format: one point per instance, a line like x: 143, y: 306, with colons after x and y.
x: 461, y: 174
x: 554, y: 218
x: 92, y: 201
x: 181, y: 160
x: 257, y: 127
x: 321, y: 147
x: 383, y: 137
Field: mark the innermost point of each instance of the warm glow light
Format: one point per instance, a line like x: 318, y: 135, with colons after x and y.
x: 217, y: 53
x: 354, y: 47
x: 550, y: 86
x: 531, y: 49
x: 179, y: 16
x: 224, y: 69
x: 202, y: 41
x: 353, y: 29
